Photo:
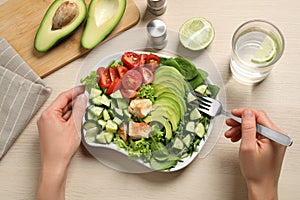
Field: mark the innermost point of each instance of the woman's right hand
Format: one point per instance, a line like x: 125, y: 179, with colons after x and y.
x: 260, y: 158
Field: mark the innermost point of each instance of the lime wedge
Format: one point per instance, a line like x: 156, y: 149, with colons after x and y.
x: 266, y: 51
x: 196, y: 33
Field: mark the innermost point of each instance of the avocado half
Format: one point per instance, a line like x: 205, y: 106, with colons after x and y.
x: 60, y: 20
x: 103, y: 17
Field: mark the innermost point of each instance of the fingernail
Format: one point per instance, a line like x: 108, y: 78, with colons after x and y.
x: 247, y: 113
x: 234, y: 110
x: 81, y: 87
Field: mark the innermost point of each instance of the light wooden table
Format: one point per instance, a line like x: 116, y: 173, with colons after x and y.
x: 218, y: 175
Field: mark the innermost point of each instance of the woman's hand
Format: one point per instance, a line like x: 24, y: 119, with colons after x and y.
x: 60, y: 135
x: 260, y: 158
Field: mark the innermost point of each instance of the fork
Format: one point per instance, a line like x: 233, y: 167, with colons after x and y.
x: 213, y: 108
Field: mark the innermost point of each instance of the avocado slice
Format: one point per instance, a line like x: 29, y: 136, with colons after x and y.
x: 171, y: 112
x: 103, y: 17
x: 163, y: 72
x: 165, y: 92
x: 167, y: 110
x: 176, y: 88
x: 170, y: 72
x: 169, y: 69
x: 60, y: 20
x: 171, y: 78
x: 158, y: 117
x: 173, y: 72
x: 158, y: 89
x: 172, y: 97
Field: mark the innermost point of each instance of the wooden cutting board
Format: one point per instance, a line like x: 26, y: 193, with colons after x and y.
x: 19, y: 21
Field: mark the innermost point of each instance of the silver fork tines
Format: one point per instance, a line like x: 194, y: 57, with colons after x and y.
x: 213, y: 108
x: 209, y: 106
x: 204, y: 103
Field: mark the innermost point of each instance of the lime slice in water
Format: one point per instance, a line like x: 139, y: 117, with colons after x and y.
x: 266, y: 51
x: 196, y: 33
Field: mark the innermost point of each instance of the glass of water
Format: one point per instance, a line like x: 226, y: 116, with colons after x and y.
x: 256, y: 46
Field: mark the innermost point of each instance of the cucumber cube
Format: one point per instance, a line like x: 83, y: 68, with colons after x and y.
x: 105, y: 115
x: 95, y: 93
x: 105, y: 100
x: 102, y: 123
x: 111, y: 126
x: 201, y: 89
x: 190, y: 126
x: 178, y: 144
x: 118, y: 121
x: 200, y: 130
x: 105, y: 137
x: 122, y: 104
x: 195, y: 114
x: 97, y: 111
x: 190, y: 97
x: 116, y: 95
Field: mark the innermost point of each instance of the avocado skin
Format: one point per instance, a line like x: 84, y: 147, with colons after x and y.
x: 94, y: 33
x: 46, y: 38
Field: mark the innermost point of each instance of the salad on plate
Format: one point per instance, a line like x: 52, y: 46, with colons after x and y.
x: 143, y: 105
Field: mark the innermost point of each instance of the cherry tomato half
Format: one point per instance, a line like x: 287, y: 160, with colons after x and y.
x: 114, y: 86
x: 100, y: 71
x: 121, y: 70
x: 112, y: 73
x: 128, y: 94
x: 143, y: 59
x: 132, y: 80
x: 147, y: 75
x: 104, y: 79
x: 153, y: 62
x: 130, y: 60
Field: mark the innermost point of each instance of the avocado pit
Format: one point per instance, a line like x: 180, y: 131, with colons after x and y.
x: 64, y: 14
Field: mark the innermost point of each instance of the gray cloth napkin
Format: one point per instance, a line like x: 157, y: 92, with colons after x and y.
x: 22, y: 93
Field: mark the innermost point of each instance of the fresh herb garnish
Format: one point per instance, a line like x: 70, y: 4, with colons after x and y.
x: 91, y: 81
x: 147, y: 92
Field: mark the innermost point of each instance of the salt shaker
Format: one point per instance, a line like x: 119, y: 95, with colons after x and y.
x: 157, y: 7
x: 157, y: 33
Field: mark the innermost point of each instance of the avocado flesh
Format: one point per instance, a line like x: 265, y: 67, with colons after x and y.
x: 176, y: 88
x: 169, y: 90
x: 159, y: 87
x: 172, y: 74
x: 103, y: 17
x: 158, y: 117
x: 169, y: 110
x: 170, y: 77
x: 178, y: 100
x: 46, y: 37
x: 169, y: 69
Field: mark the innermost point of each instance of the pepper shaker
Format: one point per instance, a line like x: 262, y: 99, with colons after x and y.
x: 157, y: 33
x: 157, y: 7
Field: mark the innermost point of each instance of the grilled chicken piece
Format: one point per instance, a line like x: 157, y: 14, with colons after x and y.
x: 122, y: 132
x: 140, y: 107
x: 139, y: 130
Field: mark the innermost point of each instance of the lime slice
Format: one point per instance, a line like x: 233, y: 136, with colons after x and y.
x: 266, y: 51
x: 196, y: 33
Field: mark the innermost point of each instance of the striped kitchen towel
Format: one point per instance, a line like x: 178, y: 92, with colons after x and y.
x: 22, y: 93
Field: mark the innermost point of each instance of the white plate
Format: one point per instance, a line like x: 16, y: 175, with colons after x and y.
x: 136, y: 40
x: 183, y: 162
